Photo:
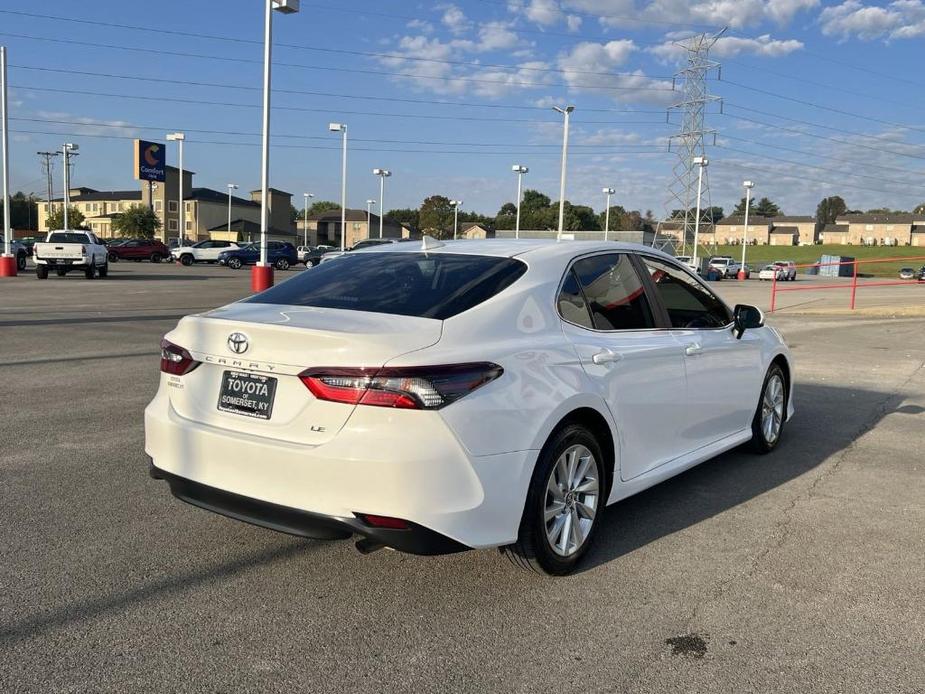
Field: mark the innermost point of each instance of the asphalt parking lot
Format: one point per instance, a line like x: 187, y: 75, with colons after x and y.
x: 799, y: 571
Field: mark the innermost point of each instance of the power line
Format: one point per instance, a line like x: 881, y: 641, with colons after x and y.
x: 220, y: 85
x: 131, y: 126
x: 411, y: 116
x: 386, y: 73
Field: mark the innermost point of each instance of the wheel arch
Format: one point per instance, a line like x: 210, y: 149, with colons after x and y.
x: 597, y: 424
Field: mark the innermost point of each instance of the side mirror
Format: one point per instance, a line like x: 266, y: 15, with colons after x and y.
x: 746, y: 317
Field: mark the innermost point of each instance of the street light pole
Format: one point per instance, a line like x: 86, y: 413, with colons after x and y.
x: 566, y: 112
x: 67, y: 150
x: 342, y: 128
x: 608, y: 192
x: 179, y: 138
x: 455, y: 204
x: 520, y: 170
x: 231, y: 187
x: 262, y: 272
x: 7, y: 261
x: 306, y: 196
x: 382, y: 174
x: 369, y: 204
x: 748, y: 198
x: 701, y: 163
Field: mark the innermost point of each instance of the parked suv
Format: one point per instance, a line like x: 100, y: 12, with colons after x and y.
x: 789, y: 269
x: 280, y: 254
x: 202, y: 252
x: 726, y: 265
x: 138, y: 250
x: 313, y: 256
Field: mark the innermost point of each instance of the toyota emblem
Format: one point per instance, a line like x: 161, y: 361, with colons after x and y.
x: 237, y: 343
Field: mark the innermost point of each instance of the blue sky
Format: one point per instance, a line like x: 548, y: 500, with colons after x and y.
x: 819, y: 98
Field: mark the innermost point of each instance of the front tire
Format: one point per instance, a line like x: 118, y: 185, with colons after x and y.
x: 20, y: 262
x: 155, y: 257
x: 282, y: 264
x: 186, y: 260
x: 771, y: 415
x: 564, y: 505
x: 113, y: 258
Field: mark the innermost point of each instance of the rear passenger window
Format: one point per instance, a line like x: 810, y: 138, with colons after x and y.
x: 614, y: 293
x: 689, y: 304
x: 572, y: 304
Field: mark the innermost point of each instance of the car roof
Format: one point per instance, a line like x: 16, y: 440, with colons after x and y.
x: 509, y: 248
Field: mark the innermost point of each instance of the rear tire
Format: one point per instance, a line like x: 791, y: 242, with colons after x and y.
x: 91, y: 273
x: 155, y: 257
x: 282, y: 264
x: 41, y: 272
x: 113, y: 258
x: 186, y: 260
x: 59, y: 271
x: 21, y: 261
x: 104, y: 271
x: 568, y: 489
x: 771, y: 414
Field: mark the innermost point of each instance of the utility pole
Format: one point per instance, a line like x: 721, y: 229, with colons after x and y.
x: 48, y: 170
x: 69, y: 150
x: 689, y: 142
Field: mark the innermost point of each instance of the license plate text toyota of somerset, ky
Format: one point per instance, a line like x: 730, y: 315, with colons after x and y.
x: 247, y: 394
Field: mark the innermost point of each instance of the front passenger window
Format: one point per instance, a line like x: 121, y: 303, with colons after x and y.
x: 689, y: 304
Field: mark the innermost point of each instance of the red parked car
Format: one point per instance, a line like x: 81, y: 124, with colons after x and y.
x: 138, y: 250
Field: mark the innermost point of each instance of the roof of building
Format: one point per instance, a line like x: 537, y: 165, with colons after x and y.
x: 247, y: 226
x: 350, y: 215
x: 465, y: 226
x: 918, y: 228
x: 783, y: 219
x: 210, y: 195
x: 893, y: 218
x: 273, y: 190
x: 785, y: 230
x: 102, y: 195
x: 734, y: 220
x: 837, y: 228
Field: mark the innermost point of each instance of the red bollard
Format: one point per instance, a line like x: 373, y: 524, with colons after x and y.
x: 261, y: 277
x: 741, y: 275
x: 8, y: 266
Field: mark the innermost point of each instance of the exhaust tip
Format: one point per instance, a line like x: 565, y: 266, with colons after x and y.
x: 368, y: 546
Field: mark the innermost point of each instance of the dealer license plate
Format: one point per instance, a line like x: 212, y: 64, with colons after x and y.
x: 247, y: 394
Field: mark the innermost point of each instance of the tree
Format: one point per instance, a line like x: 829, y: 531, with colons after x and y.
x: 75, y: 219
x: 830, y: 208
x: 534, y: 200
x: 507, y: 208
x: 577, y: 218
x: 767, y: 208
x: 714, y: 213
x: 322, y: 206
x: 138, y: 221
x: 436, y: 216
x: 406, y: 215
x: 24, y: 211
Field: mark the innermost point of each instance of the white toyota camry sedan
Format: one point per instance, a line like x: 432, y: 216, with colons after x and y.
x: 436, y: 397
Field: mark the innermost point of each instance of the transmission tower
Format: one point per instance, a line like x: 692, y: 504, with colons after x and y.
x: 47, y: 170
x: 689, y: 142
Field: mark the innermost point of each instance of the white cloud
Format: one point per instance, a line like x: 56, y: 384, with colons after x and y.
x: 421, y: 25
x: 595, y: 67
x: 573, y: 21
x: 727, y: 46
x: 90, y: 126
x: 494, y: 36
x: 902, y: 19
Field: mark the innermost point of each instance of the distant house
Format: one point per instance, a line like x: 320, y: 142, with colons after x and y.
x: 475, y: 230
x: 834, y: 234
x: 879, y: 229
x: 731, y: 230
x: 324, y: 228
x: 783, y: 230
x: 918, y: 234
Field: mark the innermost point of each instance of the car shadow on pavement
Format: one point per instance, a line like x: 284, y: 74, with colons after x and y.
x: 828, y: 420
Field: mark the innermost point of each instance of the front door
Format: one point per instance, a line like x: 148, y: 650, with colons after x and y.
x: 724, y: 374
x: 636, y: 368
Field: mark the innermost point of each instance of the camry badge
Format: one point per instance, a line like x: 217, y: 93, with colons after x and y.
x: 237, y: 343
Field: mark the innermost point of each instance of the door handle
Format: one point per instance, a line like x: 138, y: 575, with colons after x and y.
x: 693, y: 348
x: 606, y: 357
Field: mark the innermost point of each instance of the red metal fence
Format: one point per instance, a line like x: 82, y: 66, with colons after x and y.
x: 854, y: 285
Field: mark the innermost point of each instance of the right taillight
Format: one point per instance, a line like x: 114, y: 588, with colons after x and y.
x: 411, y: 388
x: 175, y: 360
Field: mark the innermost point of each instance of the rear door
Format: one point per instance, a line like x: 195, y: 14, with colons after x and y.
x: 636, y: 366
x: 724, y: 374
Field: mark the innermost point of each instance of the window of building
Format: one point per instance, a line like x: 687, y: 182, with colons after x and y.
x: 889, y: 227
x: 158, y: 206
x: 172, y: 225
x: 613, y: 292
x: 688, y: 302
x: 868, y: 227
x: 356, y: 226
x: 189, y: 226
x: 172, y: 206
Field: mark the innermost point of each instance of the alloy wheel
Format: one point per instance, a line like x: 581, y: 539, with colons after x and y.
x: 772, y: 408
x: 572, y: 494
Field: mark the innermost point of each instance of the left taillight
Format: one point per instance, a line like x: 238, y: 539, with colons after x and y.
x: 411, y: 388
x: 175, y: 360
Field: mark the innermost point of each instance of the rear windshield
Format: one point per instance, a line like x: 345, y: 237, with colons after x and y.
x: 407, y: 284
x: 67, y: 237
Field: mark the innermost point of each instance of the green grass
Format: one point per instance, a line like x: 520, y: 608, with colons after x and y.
x: 758, y: 256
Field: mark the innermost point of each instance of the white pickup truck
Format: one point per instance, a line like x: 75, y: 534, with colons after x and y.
x: 67, y: 250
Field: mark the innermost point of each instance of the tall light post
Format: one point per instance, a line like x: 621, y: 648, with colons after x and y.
x: 231, y: 187
x: 608, y: 192
x: 566, y: 112
x: 262, y: 272
x: 455, y: 204
x: 701, y: 163
x: 179, y: 138
x: 382, y: 174
x: 68, y: 150
x: 7, y: 261
x: 306, y: 197
x: 748, y: 198
x: 520, y: 170
x: 342, y: 128
x: 369, y: 204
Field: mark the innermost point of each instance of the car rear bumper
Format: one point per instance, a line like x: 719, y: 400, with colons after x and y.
x: 399, y: 464
x: 414, y: 539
